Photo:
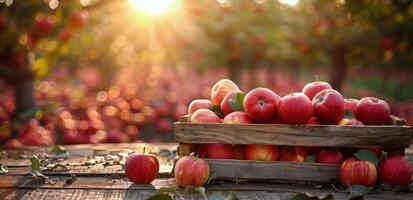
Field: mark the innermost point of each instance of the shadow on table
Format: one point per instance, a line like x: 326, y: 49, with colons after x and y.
x: 139, y: 191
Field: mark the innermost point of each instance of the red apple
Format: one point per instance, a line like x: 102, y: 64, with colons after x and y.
x: 373, y: 111
x: 261, y: 104
x: 43, y: 26
x: 311, y: 89
x: 191, y: 171
x: 12, y: 143
x: 79, y: 19
x: 237, y: 118
x: 313, y: 121
x: 225, y: 104
x: 164, y: 125
x: 328, y: 106
x: 293, y: 154
x: 396, y: 171
x: 295, y: 108
x: 142, y: 168
x: 351, y: 104
x: 358, y: 172
x: 350, y: 121
x: 220, y: 89
x: 217, y: 151
x: 261, y: 152
x: 205, y: 116
x: 198, y: 104
x: 329, y: 157
x: 64, y: 35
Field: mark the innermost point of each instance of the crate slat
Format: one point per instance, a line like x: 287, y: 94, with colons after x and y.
x: 274, y: 170
x: 318, y: 135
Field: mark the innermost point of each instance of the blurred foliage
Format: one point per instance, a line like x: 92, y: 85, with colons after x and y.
x: 236, y: 35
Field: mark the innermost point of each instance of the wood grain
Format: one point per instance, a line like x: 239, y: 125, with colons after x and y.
x: 276, y: 170
x: 318, y: 135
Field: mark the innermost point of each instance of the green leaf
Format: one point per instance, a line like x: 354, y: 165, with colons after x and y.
x: 380, y: 188
x: 310, y: 158
x: 3, y: 169
x: 166, y: 190
x: 358, y: 191
x: 217, y: 110
x: 232, y: 196
x: 367, y: 155
x: 309, y: 196
x: 349, y: 114
x: 160, y: 196
x: 35, y: 164
x: 401, y: 188
x: 236, y: 103
x: 59, y: 150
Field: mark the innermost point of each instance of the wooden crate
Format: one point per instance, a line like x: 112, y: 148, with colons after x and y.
x: 389, y: 137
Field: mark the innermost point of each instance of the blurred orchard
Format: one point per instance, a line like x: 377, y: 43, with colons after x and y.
x: 94, y: 71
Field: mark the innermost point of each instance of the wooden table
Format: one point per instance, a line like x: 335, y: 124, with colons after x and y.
x: 99, y: 176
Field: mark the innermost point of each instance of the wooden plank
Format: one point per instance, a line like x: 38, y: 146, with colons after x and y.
x: 109, y: 182
x: 275, y: 170
x: 96, y: 170
x: 53, y: 194
x: 317, y: 135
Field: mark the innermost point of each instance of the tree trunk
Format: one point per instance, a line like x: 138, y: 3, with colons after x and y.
x: 338, y: 73
x: 24, y: 94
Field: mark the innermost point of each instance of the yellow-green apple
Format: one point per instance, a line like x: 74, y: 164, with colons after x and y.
x: 261, y: 152
x: 328, y: 106
x: 142, y: 168
x: 295, y: 108
x: 358, y: 172
x: 191, y: 171
x: 329, y: 157
x: 373, y: 111
x: 350, y: 121
x: 293, y: 154
x: 396, y: 171
x: 205, y: 116
x: 225, y: 104
x: 237, y: 118
x: 198, y: 104
x: 220, y: 89
x: 351, y: 104
x: 261, y: 104
x: 311, y: 89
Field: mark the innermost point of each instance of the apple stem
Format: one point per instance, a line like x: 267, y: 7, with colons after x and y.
x: 316, y: 77
x: 144, y: 148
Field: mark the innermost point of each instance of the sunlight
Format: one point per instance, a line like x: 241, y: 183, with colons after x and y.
x: 289, y: 2
x: 153, y: 7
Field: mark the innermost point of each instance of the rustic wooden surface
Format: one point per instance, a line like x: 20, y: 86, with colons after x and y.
x: 281, y: 134
x: 108, y: 182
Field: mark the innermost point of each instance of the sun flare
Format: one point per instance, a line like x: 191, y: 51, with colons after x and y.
x: 153, y: 7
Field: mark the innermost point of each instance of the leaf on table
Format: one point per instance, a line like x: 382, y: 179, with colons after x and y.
x: 2, y: 153
x: 357, y: 191
x: 71, y: 180
x: 310, y: 158
x: 59, y: 150
x: 216, y: 196
x: 401, y: 188
x: 17, y: 154
x: 217, y: 110
x: 160, y: 196
x: 39, y: 176
x: 309, y: 196
x: 380, y: 188
x: 35, y: 164
x: 3, y: 169
x: 232, y: 196
x: 168, y: 190
x: 367, y: 155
